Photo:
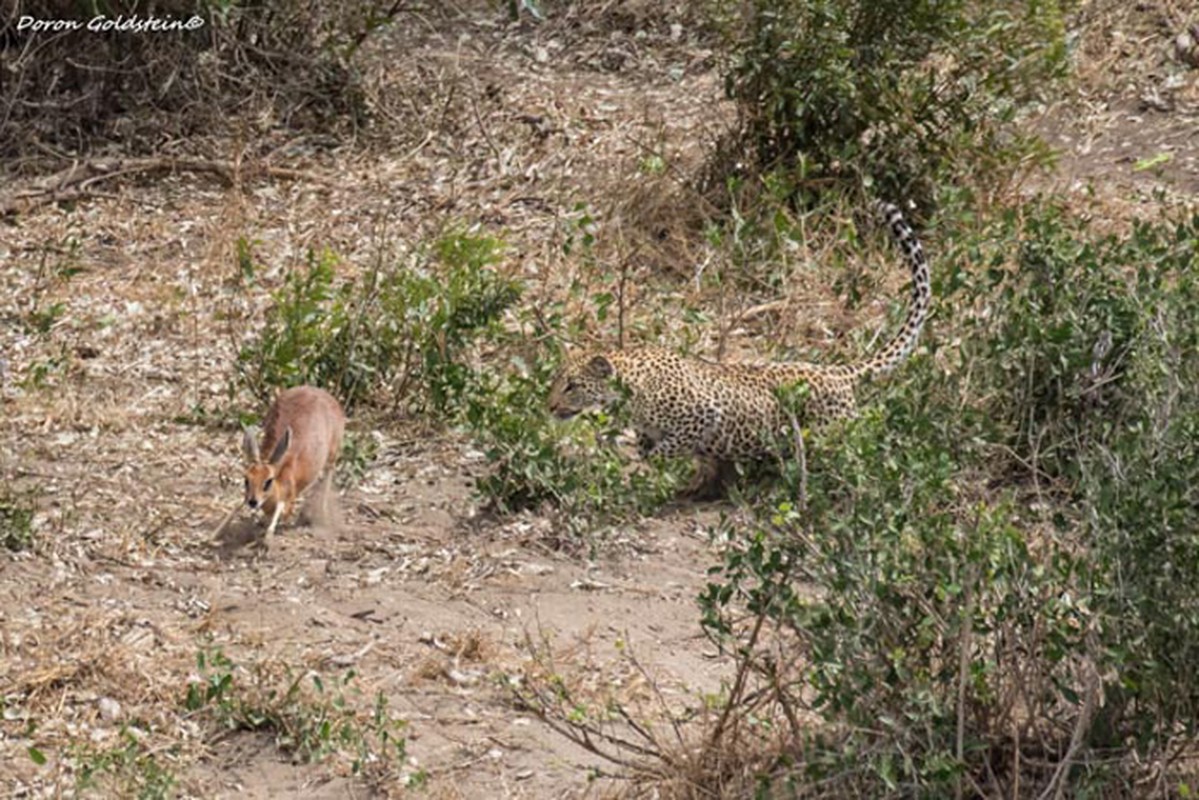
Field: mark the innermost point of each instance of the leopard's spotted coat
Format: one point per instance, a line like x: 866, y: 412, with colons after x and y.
x: 725, y: 412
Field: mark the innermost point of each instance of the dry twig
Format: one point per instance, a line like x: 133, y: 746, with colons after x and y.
x: 76, y: 181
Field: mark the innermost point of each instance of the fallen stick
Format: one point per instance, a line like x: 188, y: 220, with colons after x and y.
x: 76, y: 181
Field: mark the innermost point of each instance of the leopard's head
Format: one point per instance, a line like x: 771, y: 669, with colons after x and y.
x: 584, y: 382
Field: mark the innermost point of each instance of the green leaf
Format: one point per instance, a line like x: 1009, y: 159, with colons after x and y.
x: 1153, y: 161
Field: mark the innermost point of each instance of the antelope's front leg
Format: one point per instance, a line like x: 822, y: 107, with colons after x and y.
x: 270, y: 529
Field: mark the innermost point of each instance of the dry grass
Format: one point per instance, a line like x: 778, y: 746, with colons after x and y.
x: 1133, y: 102
x: 82, y: 676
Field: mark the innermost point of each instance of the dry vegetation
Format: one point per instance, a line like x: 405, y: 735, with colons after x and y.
x: 122, y: 312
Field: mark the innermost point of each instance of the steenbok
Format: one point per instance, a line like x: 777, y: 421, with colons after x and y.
x: 302, y: 436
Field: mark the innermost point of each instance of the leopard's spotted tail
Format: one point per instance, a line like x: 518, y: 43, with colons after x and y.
x: 904, y: 341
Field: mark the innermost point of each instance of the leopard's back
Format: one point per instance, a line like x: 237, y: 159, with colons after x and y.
x: 727, y: 411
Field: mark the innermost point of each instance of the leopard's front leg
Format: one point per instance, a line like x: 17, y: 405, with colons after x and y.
x: 669, y: 446
x: 693, y: 436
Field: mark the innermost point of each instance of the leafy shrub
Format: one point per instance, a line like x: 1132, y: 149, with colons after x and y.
x: 1137, y: 467
x: 1081, y: 340
x: 905, y: 582
x: 988, y: 577
x: 405, y: 330
x: 907, y: 93
x: 1142, y: 521
x: 575, y: 471
x: 537, y: 463
x: 1083, y: 363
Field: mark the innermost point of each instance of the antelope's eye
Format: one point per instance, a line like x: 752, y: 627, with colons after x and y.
x: 266, y: 485
x: 246, y: 481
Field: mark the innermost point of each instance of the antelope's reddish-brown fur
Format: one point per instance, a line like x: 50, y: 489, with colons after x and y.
x: 302, y: 434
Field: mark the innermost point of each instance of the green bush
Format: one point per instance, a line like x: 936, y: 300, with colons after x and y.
x: 1082, y: 358
x: 907, y: 93
x: 1006, y: 540
x: 1081, y: 341
x: 573, y: 469
x: 1141, y: 501
x: 401, y: 332
x: 885, y: 578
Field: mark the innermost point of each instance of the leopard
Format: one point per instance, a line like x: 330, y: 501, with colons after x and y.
x: 723, y: 413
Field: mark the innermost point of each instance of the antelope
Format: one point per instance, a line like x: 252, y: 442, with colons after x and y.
x: 302, y: 432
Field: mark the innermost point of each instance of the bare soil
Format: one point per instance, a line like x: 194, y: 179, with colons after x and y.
x: 505, y: 126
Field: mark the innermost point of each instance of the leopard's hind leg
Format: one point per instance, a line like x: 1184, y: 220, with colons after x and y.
x: 711, y: 479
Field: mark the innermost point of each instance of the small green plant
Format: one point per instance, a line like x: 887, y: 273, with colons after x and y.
x: 43, y: 371
x: 57, y: 265
x: 310, y: 719
x: 41, y: 319
x: 214, y: 685
x: 16, y: 520
x: 130, y: 769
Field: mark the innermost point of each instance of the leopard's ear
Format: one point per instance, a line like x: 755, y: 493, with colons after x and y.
x: 600, y: 367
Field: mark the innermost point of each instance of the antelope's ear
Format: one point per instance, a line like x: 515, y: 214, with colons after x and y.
x: 281, y: 447
x: 600, y: 367
x: 249, y: 444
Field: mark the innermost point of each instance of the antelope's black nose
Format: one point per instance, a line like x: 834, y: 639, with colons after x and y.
x: 252, y: 503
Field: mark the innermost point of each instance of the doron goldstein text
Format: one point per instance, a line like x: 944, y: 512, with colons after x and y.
x: 101, y: 23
